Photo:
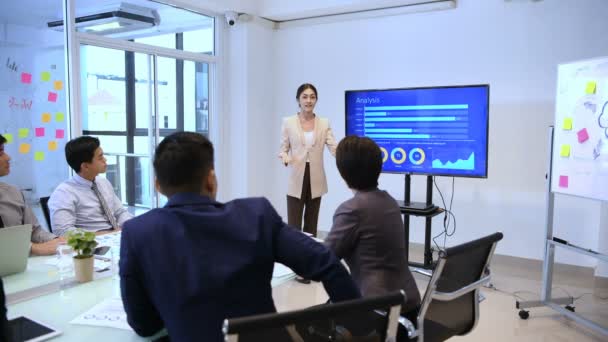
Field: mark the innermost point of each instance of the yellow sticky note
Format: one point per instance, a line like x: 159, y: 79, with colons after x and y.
x: 591, y: 86
x: 567, y: 125
x: 46, y: 117
x: 58, y: 85
x: 8, y: 137
x: 52, y: 145
x: 24, y: 148
x: 24, y: 132
x: 45, y: 76
x: 565, y: 151
x: 39, y: 156
x: 59, y: 117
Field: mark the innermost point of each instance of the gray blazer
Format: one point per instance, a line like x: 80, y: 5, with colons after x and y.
x: 14, y: 212
x: 368, y: 234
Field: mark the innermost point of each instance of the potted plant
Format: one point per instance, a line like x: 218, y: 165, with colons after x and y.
x: 83, y: 243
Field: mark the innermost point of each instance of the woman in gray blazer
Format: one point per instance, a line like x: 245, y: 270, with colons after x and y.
x: 367, y: 230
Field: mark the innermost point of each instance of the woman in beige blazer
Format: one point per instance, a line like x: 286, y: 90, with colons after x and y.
x: 303, y: 137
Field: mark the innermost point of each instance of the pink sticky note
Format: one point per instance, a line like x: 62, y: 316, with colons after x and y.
x: 59, y: 133
x: 39, y: 131
x: 26, y: 78
x: 52, y: 96
x: 582, y: 135
x: 563, y: 181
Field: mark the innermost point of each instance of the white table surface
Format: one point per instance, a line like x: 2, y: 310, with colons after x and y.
x: 57, y: 309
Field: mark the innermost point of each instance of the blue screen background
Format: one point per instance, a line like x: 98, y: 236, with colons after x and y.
x: 436, y: 131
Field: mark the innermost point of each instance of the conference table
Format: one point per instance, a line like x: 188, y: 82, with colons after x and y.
x: 40, y: 294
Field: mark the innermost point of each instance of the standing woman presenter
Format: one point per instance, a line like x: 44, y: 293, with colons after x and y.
x: 303, y: 137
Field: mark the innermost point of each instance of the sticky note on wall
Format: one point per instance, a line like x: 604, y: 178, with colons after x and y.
x: 591, y: 87
x: 59, y: 117
x: 563, y: 181
x: 46, y: 117
x: 582, y: 135
x: 39, y: 156
x: 565, y: 151
x: 24, y: 148
x: 52, y: 97
x: 567, y: 124
x: 45, y: 76
x: 57, y: 85
x: 26, y: 78
x: 52, y: 145
x: 8, y: 137
x: 39, y: 131
x: 24, y: 132
x: 59, y: 133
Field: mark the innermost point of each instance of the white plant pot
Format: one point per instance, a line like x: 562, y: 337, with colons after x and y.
x: 83, y: 269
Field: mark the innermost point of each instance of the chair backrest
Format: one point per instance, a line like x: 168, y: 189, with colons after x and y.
x: 44, y: 203
x: 451, y: 300
x: 368, y: 319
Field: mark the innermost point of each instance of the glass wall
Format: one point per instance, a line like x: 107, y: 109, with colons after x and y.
x: 131, y: 110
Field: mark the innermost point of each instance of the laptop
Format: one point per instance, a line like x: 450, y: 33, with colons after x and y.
x: 14, y: 249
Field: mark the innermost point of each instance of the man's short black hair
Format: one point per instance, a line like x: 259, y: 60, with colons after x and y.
x: 2, y: 140
x: 80, y: 150
x: 359, y: 162
x: 182, y: 162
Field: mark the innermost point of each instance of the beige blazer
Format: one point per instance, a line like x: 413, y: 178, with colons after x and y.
x: 294, y: 152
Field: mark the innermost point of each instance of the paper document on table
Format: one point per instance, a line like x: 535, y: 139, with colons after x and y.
x: 109, y: 313
x: 281, y: 270
x: 111, y: 239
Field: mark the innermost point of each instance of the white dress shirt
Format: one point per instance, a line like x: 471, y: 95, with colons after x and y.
x: 74, y: 204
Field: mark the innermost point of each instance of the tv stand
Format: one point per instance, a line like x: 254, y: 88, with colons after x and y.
x: 422, y: 209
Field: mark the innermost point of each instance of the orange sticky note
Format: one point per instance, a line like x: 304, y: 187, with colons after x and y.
x: 591, y: 86
x: 46, y: 117
x: 24, y: 148
x: 57, y: 85
x: 8, y: 137
x: 52, y: 145
x: 39, y: 156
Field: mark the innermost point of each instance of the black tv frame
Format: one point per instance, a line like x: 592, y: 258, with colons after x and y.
x: 434, y: 87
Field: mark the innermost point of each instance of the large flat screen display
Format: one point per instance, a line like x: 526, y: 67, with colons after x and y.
x: 439, y: 131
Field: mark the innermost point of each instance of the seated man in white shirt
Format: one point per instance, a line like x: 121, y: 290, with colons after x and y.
x: 86, y: 201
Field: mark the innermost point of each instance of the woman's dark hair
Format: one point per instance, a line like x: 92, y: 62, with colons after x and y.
x: 80, y: 150
x: 359, y: 162
x: 182, y: 162
x: 2, y: 140
x: 304, y: 87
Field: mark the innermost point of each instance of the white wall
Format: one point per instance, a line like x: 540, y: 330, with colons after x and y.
x: 513, y: 46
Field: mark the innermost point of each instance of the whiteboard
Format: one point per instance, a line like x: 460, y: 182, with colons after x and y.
x: 33, y: 118
x: 580, y: 140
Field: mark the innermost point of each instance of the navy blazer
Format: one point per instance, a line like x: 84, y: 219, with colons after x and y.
x: 195, y: 262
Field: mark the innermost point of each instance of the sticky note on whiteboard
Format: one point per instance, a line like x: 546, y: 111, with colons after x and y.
x: 24, y: 148
x: 26, y: 78
x: 582, y: 135
x: 563, y: 181
x: 591, y: 86
x: 52, y: 145
x: 39, y: 156
x: 567, y: 124
x: 24, y: 132
x: 58, y: 85
x: 8, y: 137
x: 39, y: 131
x: 52, y: 97
x: 45, y: 76
x: 46, y: 117
x: 565, y: 151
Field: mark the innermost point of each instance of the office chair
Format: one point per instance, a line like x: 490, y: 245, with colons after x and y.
x: 355, y: 320
x: 450, y: 305
x: 44, y: 203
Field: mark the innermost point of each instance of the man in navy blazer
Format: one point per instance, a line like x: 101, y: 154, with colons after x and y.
x: 188, y: 266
